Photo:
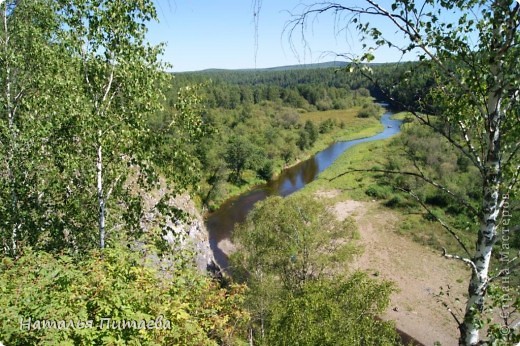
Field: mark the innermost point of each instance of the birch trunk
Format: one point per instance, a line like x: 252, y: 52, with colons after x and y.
x: 469, y: 329
x: 101, y: 197
x: 10, y: 110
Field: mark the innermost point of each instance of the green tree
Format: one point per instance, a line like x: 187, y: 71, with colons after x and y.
x: 288, y: 250
x: 333, y: 312
x: 241, y: 154
x: 121, y: 74
x: 280, y: 238
x: 474, y: 60
x: 78, y: 81
x: 39, y: 84
x: 312, y: 132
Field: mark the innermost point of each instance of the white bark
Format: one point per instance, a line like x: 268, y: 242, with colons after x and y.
x: 490, y: 204
x: 10, y: 110
x: 101, y: 197
x: 484, y: 247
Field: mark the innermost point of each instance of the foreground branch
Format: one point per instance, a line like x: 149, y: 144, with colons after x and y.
x: 465, y: 260
x: 443, y: 224
x: 414, y: 174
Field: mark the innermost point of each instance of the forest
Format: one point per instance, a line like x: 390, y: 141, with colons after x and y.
x: 110, y: 165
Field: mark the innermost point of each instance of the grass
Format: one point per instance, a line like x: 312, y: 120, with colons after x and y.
x: 402, y: 116
x: 365, y: 186
x: 346, y: 115
x: 354, y: 128
x: 352, y: 185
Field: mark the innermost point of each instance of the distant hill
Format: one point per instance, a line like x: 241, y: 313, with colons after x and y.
x: 309, y: 66
x: 327, y: 64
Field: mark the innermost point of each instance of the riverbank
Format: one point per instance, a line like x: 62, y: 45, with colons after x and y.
x: 425, y: 279
x: 234, y: 210
x: 420, y: 274
x: 221, y: 225
x: 354, y: 128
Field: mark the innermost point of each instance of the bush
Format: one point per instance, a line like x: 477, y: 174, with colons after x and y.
x: 370, y: 110
x: 395, y: 202
x: 116, y: 284
x: 265, y: 172
x: 378, y: 191
x: 333, y: 312
x: 363, y: 113
x: 327, y: 125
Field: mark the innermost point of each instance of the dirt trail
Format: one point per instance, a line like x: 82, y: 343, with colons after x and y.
x: 417, y: 271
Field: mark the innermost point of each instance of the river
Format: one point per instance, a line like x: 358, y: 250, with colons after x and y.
x: 220, y: 223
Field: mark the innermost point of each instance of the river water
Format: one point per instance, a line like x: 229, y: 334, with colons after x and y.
x: 220, y: 223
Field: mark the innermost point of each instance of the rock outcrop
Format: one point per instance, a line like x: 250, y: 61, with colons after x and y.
x: 182, y: 225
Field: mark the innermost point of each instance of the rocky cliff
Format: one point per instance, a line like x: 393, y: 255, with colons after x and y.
x: 181, y: 225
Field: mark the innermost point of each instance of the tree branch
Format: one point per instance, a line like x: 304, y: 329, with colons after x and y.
x: 512, y: 155
x: 414, y: 36
x: 439, y: 300
x: 418, y: 175
x: 443, y: 224
x: 465, y: 260
x: 474, y: 157
x: 470, y: 146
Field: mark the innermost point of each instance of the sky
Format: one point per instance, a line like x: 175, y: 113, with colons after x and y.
x: 202, y: 34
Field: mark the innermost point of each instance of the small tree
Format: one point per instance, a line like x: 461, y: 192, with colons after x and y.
x: 121, y: 74
x: 333, y: 312
x: 241, y: 154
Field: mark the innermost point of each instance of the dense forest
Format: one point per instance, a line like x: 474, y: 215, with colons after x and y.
x: 108, y: 162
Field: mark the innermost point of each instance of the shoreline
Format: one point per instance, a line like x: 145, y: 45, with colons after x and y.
x: 345, y: 137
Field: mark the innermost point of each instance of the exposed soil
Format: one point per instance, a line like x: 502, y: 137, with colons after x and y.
x: 418, y: 272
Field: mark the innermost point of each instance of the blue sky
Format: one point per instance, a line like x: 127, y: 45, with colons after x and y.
x: 203, y: 34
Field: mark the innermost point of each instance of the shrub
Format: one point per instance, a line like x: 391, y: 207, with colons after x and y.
x: 395, y: 202
x: 116, y: 284
x: 333, y: 312
x: 378, y: 191
x: 265, y: 172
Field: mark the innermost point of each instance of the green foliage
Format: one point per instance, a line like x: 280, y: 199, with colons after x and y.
x: 121, y: 285
x: 311, y: 131
x: 333, y: 312
x: 378, y: 191
x: 288, y: 252
x: 280, y: 238
x: 311, y: 89
x: 308, y: 135
x: 241, y: 154
x: 284, y: 115
x: 370, y: 110
x: 503, y: 300
x: 177, y: 133
x: 266, y: 170
x: 78, y: 81
x: 327, y: 125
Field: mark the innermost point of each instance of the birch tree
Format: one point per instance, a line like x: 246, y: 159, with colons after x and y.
x: 120, y: 75
x: 78, y: 81
x: 473, y: 47
x: 36, y: 87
